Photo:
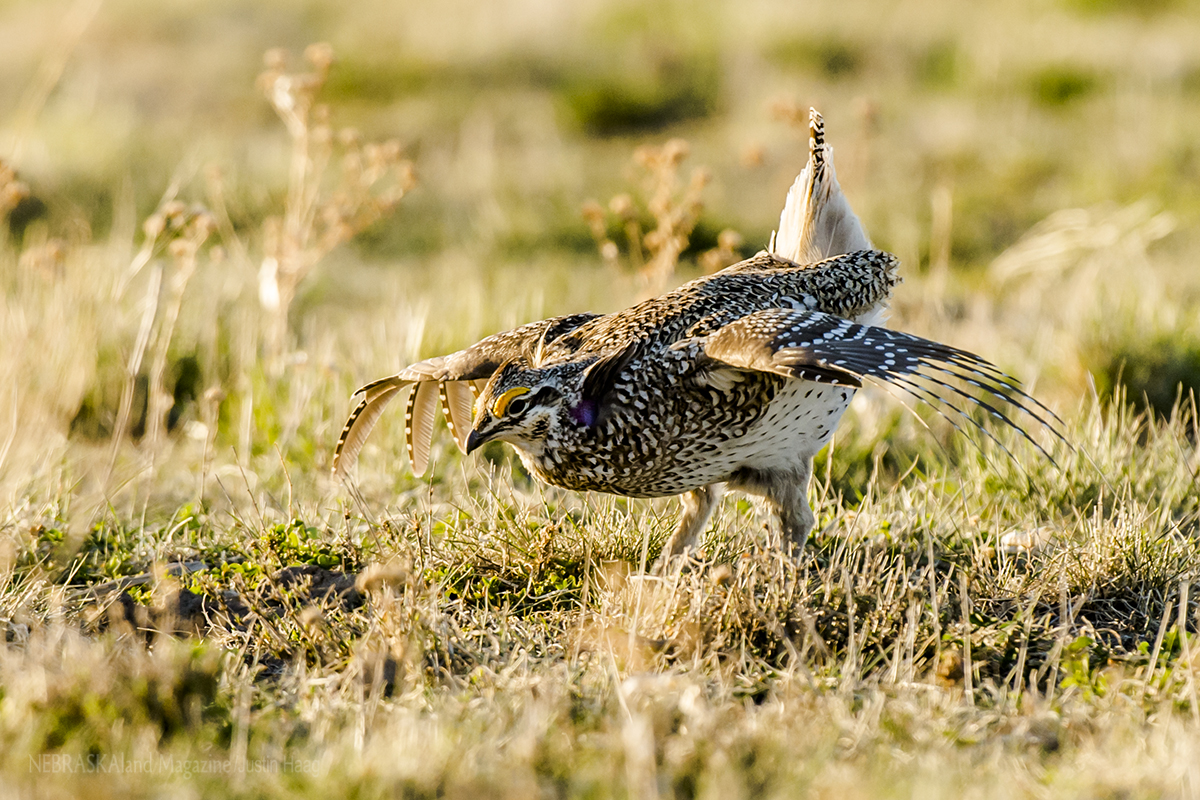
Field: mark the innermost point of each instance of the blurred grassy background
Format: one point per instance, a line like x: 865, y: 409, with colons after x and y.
x: 1036, y: 167
x: 956, y: 128
x: 518, y: 111
x: 164, y: 400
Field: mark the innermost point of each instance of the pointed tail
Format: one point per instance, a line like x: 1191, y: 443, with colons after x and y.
x: 817, y: 221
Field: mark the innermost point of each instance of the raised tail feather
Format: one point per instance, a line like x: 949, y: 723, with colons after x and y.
x: 817, y: 221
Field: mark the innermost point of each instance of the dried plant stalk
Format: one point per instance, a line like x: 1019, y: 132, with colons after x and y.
x: 674, y: 206
x: 371, y: 180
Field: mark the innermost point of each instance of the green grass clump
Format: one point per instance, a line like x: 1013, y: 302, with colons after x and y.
x: 1155, y: 373
x: 1063, y: 84
x: 623, y: 99
x: 832, y: 58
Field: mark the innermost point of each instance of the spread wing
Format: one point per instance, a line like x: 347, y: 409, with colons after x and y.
x: 455, y: 379
x: 825, y: 348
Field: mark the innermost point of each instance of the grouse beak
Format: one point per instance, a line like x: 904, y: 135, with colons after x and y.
x: 475, y: 440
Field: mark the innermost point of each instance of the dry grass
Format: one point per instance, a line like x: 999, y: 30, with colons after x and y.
x: 193, y: 607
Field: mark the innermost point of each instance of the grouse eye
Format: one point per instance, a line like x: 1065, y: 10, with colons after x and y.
x: 516, y: 406
x: 504, y: 401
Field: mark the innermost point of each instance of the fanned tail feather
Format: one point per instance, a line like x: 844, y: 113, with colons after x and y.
x: 817, y: 221
x: 457, y: 400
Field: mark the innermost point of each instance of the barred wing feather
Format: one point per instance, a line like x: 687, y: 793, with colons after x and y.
x: 825, y: 348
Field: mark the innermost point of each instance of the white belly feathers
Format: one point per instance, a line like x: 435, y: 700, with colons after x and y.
x: 800, y: 421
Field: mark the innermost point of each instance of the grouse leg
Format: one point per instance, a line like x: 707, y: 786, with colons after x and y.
x: 786, y: 494
x: 698, y: 506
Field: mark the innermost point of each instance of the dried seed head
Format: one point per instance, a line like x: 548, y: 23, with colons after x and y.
x: 622, y: 206
x: 382, y: 576
x: 12, y: 191
x: 175, y: 213
x: 675, y: 151
x: 320, y: 55
x: 207, y: 220
x: 408, y: 174
x: 203, y: 225
x: 753, y: 155
x: 352, y: 165
x: 275, y: 58
x: 373, y: 154
x: 391, y: 150
x: 660, y: 207
x: 646, y: 156
x: 729, y: 239
x: 786, y: 110
x: 592, y: 210
x: 310, y: 617
x: 47, y: 259
x: 154, y: 225
x: 950, y: 668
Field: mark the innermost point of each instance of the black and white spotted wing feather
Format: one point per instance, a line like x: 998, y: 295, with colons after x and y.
x: 819, y: 347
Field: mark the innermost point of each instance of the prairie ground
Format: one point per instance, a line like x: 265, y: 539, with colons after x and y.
x: 207, y: 251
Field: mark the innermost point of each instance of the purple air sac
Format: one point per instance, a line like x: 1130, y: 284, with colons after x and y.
x: 585, y: 413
